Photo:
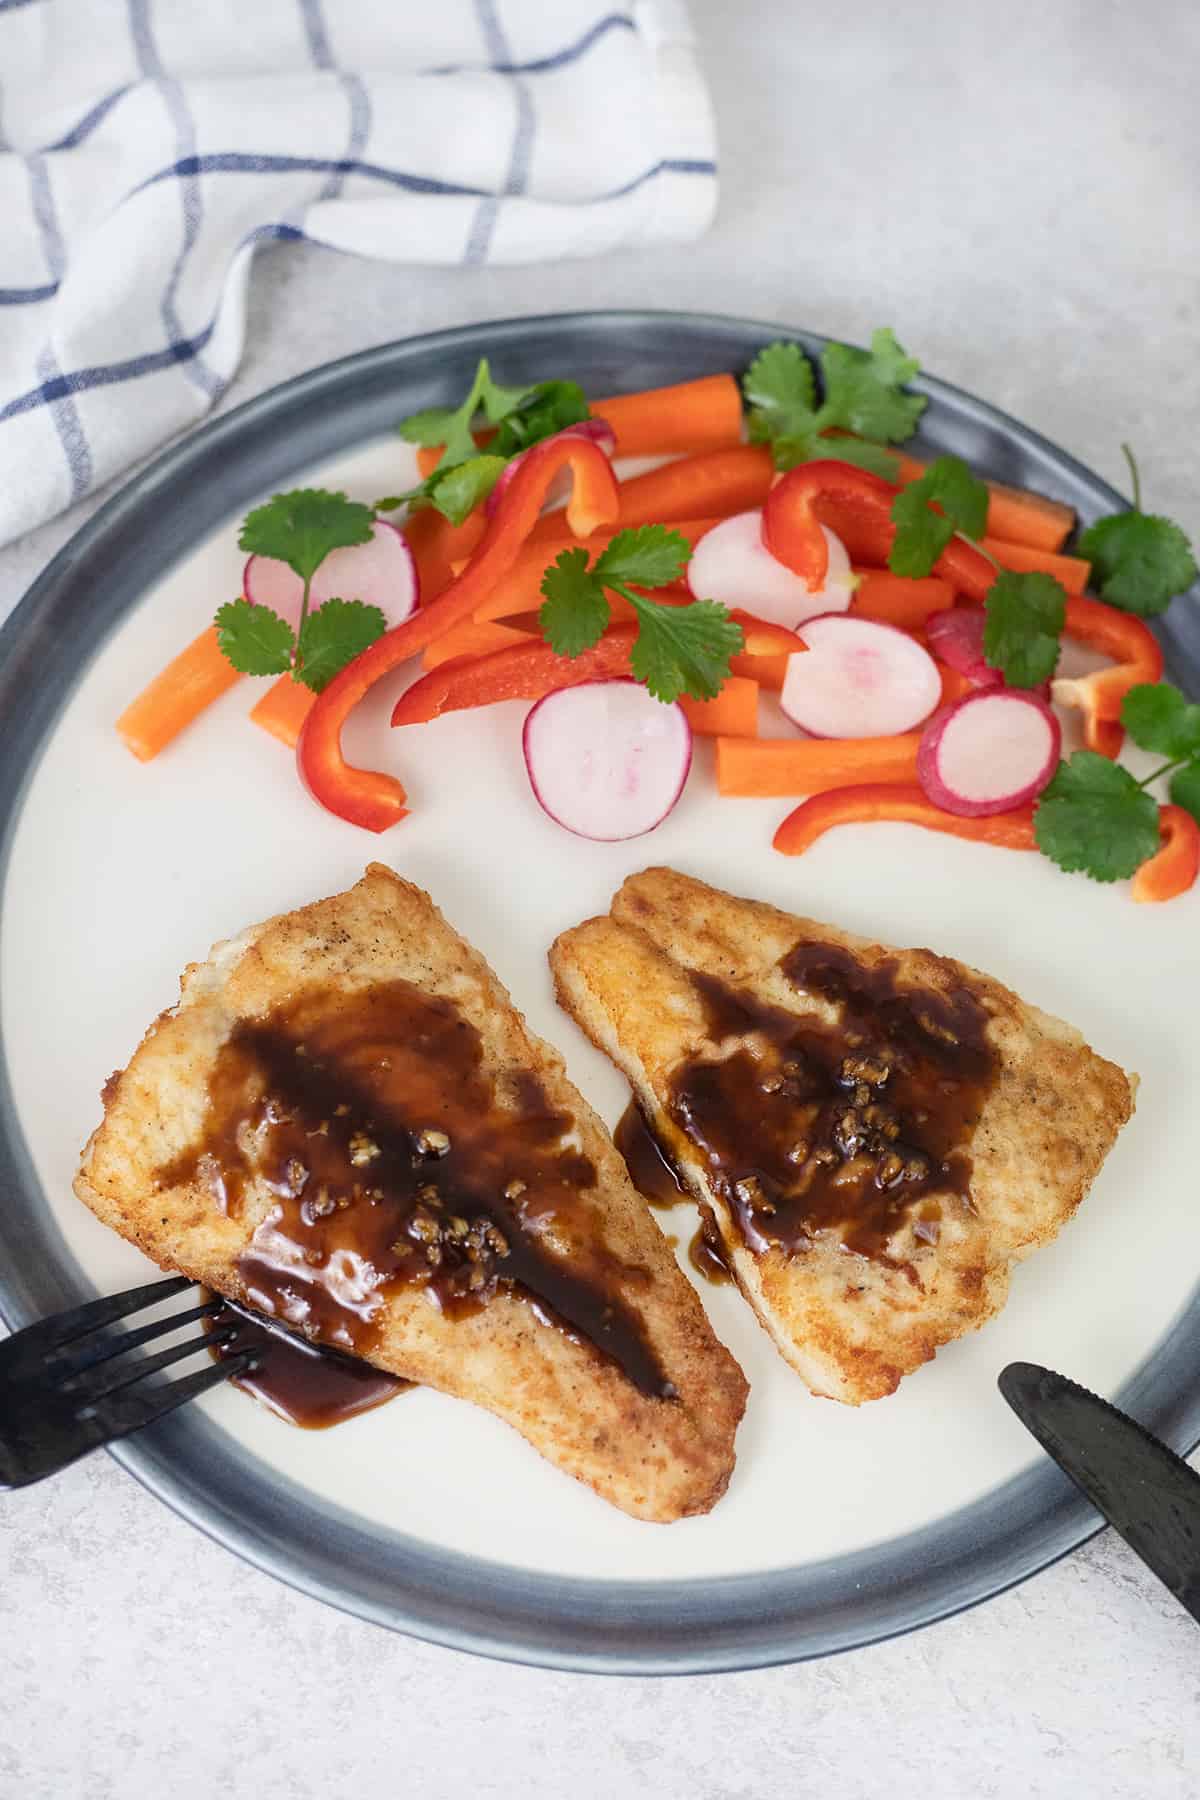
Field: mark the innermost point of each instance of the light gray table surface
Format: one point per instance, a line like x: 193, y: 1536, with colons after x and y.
x: 1013, y: 187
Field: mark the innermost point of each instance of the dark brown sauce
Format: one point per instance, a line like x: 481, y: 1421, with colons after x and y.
x: 649, y: 1169
x: 298, y: 1382
x: 850, y: 1127
x: 706, y: 1252
x: 395, y: 1163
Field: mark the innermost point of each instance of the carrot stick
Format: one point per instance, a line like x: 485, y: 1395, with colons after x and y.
x: 900, y: 599
x: 283, y: 709
x: 711, y: 485
x: 681, y: 420
x: 520, y: 590
x: 767, y: 671
x: 437, y: 545
x: 1016, y: 515
x: 734, y: 712
x: 1071, y: 571
x: 687, y: 418
x: 955, y: 686
x: 190, y: 682
x: 470, y: 639
x: 773, y: 766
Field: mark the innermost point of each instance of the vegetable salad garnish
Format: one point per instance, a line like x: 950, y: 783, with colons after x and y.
x: 937, y: 604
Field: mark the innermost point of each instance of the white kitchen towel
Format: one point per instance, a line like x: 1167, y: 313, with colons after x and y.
x: 147, y: 146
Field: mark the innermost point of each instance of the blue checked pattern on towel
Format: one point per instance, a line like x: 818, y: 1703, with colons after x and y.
x: 147, y: 147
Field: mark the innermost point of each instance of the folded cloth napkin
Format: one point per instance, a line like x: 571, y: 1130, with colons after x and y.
x: 147, y: 146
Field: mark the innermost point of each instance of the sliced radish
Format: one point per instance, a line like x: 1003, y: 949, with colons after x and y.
x: 598, y: 431
x: 605, y: 759
x: 989, y: 752
x: 381, y: 572
x: 956, y: 638
x: 733, y: 565
x: 859, y: 679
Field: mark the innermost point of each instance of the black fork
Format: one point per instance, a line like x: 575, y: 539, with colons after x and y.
x: 67, y: 1386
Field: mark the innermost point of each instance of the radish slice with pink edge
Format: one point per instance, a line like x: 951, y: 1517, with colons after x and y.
x: 598, y: 431
x: 733, y: 565
x: 956, y: 638
x: 382, y: 572
x: 858, y: 679
x: 606, y: 759
x: 989, y: 752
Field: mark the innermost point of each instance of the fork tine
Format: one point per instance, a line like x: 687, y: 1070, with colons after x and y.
x: 97, y: 1384
x: 129, y: 1408
x: 100, y: 1349
x: 63, y: 1328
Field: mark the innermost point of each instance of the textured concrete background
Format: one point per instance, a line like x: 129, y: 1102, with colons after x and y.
x: 1014, y: 188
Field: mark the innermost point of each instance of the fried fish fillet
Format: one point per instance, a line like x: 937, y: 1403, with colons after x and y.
x: 641, y: 981
x: 647, y: 1419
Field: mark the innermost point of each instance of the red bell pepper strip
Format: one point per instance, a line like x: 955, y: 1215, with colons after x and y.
x: 1098, y: 696
x: 1173, y: 868
x: 792, y: 528
x: 874, y: 801
x: 763, y: 637
x: 520, y: 672
x: 375, y: 800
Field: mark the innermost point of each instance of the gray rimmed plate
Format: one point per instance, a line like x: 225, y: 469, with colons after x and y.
x: 840, y: 1527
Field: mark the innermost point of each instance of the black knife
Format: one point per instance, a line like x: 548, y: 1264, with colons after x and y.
x: 1147, y: 1493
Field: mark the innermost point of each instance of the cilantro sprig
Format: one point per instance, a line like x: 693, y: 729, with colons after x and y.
x: 864, y: 393
x: 1096, y: 817
x: 301, y: 528
x: 1023, y: 632
x: 927, y: 513
x: 1142, y: 561
x: 678, y: 649
x: 1025, y: 612
x: 522, y: 416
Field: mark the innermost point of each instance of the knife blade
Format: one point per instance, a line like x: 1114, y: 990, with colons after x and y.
x: 1148, y: 1494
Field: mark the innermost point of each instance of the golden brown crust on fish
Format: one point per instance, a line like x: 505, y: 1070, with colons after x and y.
x: 851, y: 1326
x: 658, y: 1459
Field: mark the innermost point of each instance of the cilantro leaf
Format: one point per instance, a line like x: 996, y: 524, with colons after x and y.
x: 683, y: 649
x: 1095, y: 818
x: 864, y: 395
x: 460, y: 489
x: 1185, y: 788
x: 865, y: 390
x: 648, y: 556
x: 875, y: 457
x: 1141, y: 561
x: 496, y: 401
x: 432, y: 426
x: 1158, y: 718
x: 921, y: 533
x: 254, y: 639
x: 301, y: 528
x: 548, y: 407
x: 781, y: 393
x: 1025, y: 615
x: 451, y: 426
x: 522, y: 415
x: 332, y: 636
x: 574, y: 612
